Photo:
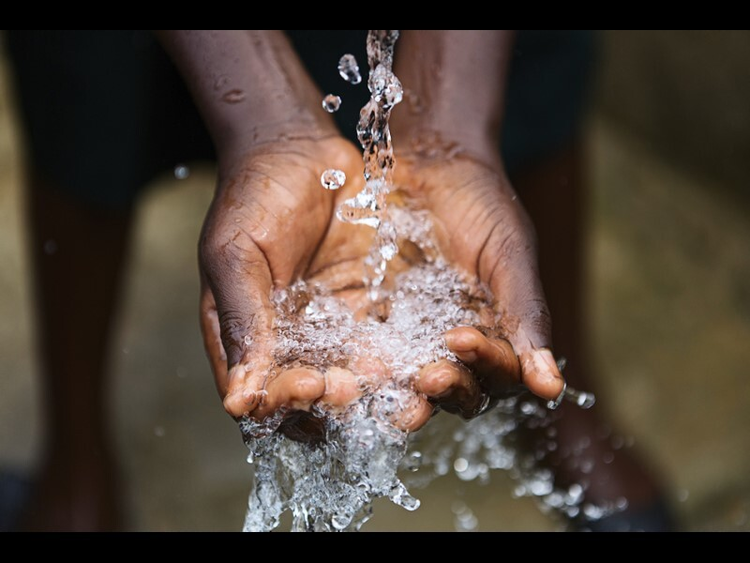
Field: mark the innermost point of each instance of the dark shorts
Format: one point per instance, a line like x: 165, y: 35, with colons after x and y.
x: 105, y: 111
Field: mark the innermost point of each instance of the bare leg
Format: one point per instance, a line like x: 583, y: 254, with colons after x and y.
x: 77, y: 256
x: 554, y: 194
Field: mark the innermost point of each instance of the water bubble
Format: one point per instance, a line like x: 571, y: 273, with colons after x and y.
x: 248, y: 340
x: 587, y: 466
x: 50, y: 246
x: 414, y: 461
x: 331, y: 103
x: 593, y: 512
x: 540, y: 487
x: 234, y: 96
x: 349, y: 69
x: 181, y: 172
x: 464, y: 520
x: 608, y: 457
x: 159, y: 431
x: 575, y: 494
x: 460, y: 465
x: 332, y: 179
x: 683, y: 495
x: 181, y: 372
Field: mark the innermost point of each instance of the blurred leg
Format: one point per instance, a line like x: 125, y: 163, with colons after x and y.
x: 554, y: 194
x: 78, y: 254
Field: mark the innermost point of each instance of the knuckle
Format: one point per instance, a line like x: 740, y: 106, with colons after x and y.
x: 308, y: 386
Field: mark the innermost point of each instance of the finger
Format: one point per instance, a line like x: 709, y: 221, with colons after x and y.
x: 493, y: 361
x: 209, y: 322
x: 451, y: 386
x: 508, y: 263
x: 236, y: 305
x: 341, y: 387
x: 244, y: 390
x: 239, y: 277
x: 238, y: 387
x: 416, y: 415
x: 294, y: 389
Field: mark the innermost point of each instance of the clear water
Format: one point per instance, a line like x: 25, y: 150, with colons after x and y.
x: 331, y: 103
x: 332, y: 179
x: 349, y: 69
x: 329, y: 484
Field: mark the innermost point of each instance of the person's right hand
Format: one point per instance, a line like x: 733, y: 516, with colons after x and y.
x: 270, y: 223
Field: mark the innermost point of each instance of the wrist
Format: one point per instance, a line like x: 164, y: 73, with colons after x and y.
x: 260, y: 135
x: 429, y: 141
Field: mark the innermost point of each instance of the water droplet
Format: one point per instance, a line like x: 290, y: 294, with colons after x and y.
x: 683, y: 495
x: 349, y: 69
x: 621, y: 503
x: 414, y: 461
x: 465, y: 520
x: 341, y: 521
x: 540, y: 487
x: 608, y: 457
x: 234, y: 96
x: 575, y: 494
x: 181, y: 372
x: 332, y: 179
x: 460, y: 465
x: 181, y: 171
x: 159, y: 431
x: 592, y: 512
x: 331, y: 103
x: 50, y: 246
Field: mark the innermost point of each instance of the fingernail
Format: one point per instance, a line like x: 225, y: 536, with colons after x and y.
x: 546, y: 357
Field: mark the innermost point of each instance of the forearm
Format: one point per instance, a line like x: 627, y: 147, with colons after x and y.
x: 249, y: 85
x: 457, y: 83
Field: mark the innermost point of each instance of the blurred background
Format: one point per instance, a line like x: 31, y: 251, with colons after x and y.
x: 669, y: 144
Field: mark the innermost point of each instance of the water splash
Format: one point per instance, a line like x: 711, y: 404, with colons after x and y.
x: 349, y: 69
x: 332, y: 179
x: 181, y: 172
x: 328, y: 484
x: 331, y: 103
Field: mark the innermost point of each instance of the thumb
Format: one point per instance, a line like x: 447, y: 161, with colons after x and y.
x: 237, y: 320
x: 514, y: 280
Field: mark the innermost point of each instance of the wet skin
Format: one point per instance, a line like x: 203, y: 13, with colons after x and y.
x: 271, y: 222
